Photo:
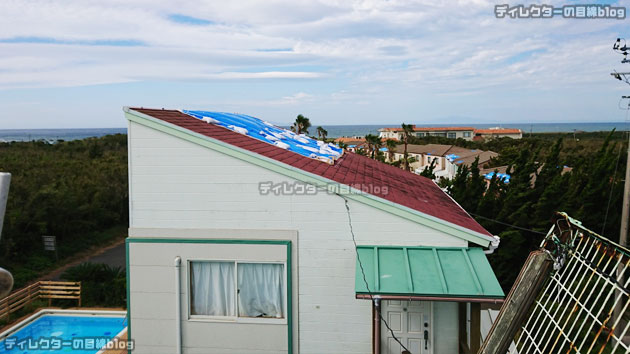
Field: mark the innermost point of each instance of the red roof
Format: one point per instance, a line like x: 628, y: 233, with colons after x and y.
x: 429, y: 129
x: 371, y: 176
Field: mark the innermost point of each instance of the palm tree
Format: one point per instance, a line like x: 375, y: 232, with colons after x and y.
x: 374, y: 143
x: 321, y: 133
x: 342, y: 145
x: 407, y: 132
x: 391, y: 147
x: 301, y: 125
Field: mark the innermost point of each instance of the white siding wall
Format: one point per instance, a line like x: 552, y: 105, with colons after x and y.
x: 446, y: 326
x: 177, y: 184
x: 152, y: 289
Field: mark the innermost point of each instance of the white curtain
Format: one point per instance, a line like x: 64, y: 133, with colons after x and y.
x: 260, y: 290
x: 212, y: 289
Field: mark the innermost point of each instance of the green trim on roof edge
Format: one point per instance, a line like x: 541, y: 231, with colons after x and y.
x: 307, y: 177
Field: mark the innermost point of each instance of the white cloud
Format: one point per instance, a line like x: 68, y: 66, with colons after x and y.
x: 361, y: 51
x: 440, y: 43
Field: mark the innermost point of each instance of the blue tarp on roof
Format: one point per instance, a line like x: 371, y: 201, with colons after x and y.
x: 504, y: 176
x: 452, y: 157
x: 272, y: 134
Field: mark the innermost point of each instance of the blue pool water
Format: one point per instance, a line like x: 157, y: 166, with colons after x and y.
x: 63, y: 334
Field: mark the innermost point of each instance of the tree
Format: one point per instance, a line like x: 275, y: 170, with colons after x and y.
x: 407, y: 132
x: 374, y: 143
x: 428, y: 171
x: 321, y: 133
x: 391, y: 148
x: 301, y: 125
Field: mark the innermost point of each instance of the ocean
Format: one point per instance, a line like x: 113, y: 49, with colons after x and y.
x: 334, y: 131
x: 52, y: 135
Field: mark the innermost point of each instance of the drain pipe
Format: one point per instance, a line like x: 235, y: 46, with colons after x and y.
x: 493, y: 245
x: 376, y: 335
x: 178, y: 305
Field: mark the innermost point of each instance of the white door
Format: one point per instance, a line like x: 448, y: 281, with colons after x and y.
x: 411, y: 322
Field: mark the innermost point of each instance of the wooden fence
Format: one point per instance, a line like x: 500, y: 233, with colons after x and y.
x: 45, y: 289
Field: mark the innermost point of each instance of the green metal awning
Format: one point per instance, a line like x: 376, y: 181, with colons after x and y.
x: 443, y: 273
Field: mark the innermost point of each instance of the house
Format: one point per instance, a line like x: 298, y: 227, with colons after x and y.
x: 420, y: 132
x: 455, y: 160
x: 448, y: 158
x: 247, y: 238
x: 497, y: 132
x: 352, y: 143
x: 501, y: 173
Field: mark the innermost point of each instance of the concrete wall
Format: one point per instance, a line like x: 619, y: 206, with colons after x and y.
x: 175, y: 184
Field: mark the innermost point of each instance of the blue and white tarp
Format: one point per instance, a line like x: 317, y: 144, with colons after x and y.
x: 452, y: 157
x: 272, y: 134
x: 504, y: 176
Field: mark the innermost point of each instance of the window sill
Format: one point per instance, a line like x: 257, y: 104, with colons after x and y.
x: 254, y: 320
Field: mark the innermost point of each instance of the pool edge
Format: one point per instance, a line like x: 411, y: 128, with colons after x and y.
x: 43, y: 312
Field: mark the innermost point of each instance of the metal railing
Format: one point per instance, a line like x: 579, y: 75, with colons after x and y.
x: 44, y: 289
x: 584, y: 305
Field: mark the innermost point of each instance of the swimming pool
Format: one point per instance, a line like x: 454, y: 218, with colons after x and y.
x: 54, y: 332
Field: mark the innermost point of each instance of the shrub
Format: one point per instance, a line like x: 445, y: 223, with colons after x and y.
x: 101, y: 285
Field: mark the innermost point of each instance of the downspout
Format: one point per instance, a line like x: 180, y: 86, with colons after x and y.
x: 493, y: 245
x: 376, y: 309
x: 178, y: 303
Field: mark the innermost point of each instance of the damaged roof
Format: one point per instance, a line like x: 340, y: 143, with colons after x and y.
x: 397, y: 186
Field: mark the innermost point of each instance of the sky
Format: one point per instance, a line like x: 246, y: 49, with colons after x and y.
x: 76, y: 63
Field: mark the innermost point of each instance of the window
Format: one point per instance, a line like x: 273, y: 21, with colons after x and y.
x: 452, y: 135
x: 237, y: 289
x: 420, y: 135
x: 466, y: 134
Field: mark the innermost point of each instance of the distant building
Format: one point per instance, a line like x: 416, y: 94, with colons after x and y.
x: 352, y: 143
x: 420, y: 132
x: 466, y: 133
x: 497, y: 132
x: 448, y: 158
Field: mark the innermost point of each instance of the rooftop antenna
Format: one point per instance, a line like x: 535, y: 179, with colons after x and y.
x: 6, y: 279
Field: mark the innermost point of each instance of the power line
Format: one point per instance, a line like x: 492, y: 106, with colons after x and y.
x: 510, y: 225
x: 367, y: 286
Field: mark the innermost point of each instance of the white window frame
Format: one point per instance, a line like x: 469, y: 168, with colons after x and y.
x: 451, y: 135
x: 467, y: 134
x: 237, y: 319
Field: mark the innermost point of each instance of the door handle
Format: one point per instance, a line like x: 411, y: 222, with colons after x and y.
x: 426, y: 339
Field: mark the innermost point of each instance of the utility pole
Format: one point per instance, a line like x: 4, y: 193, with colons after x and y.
x: 623, y: 234
x: 625, y: 211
